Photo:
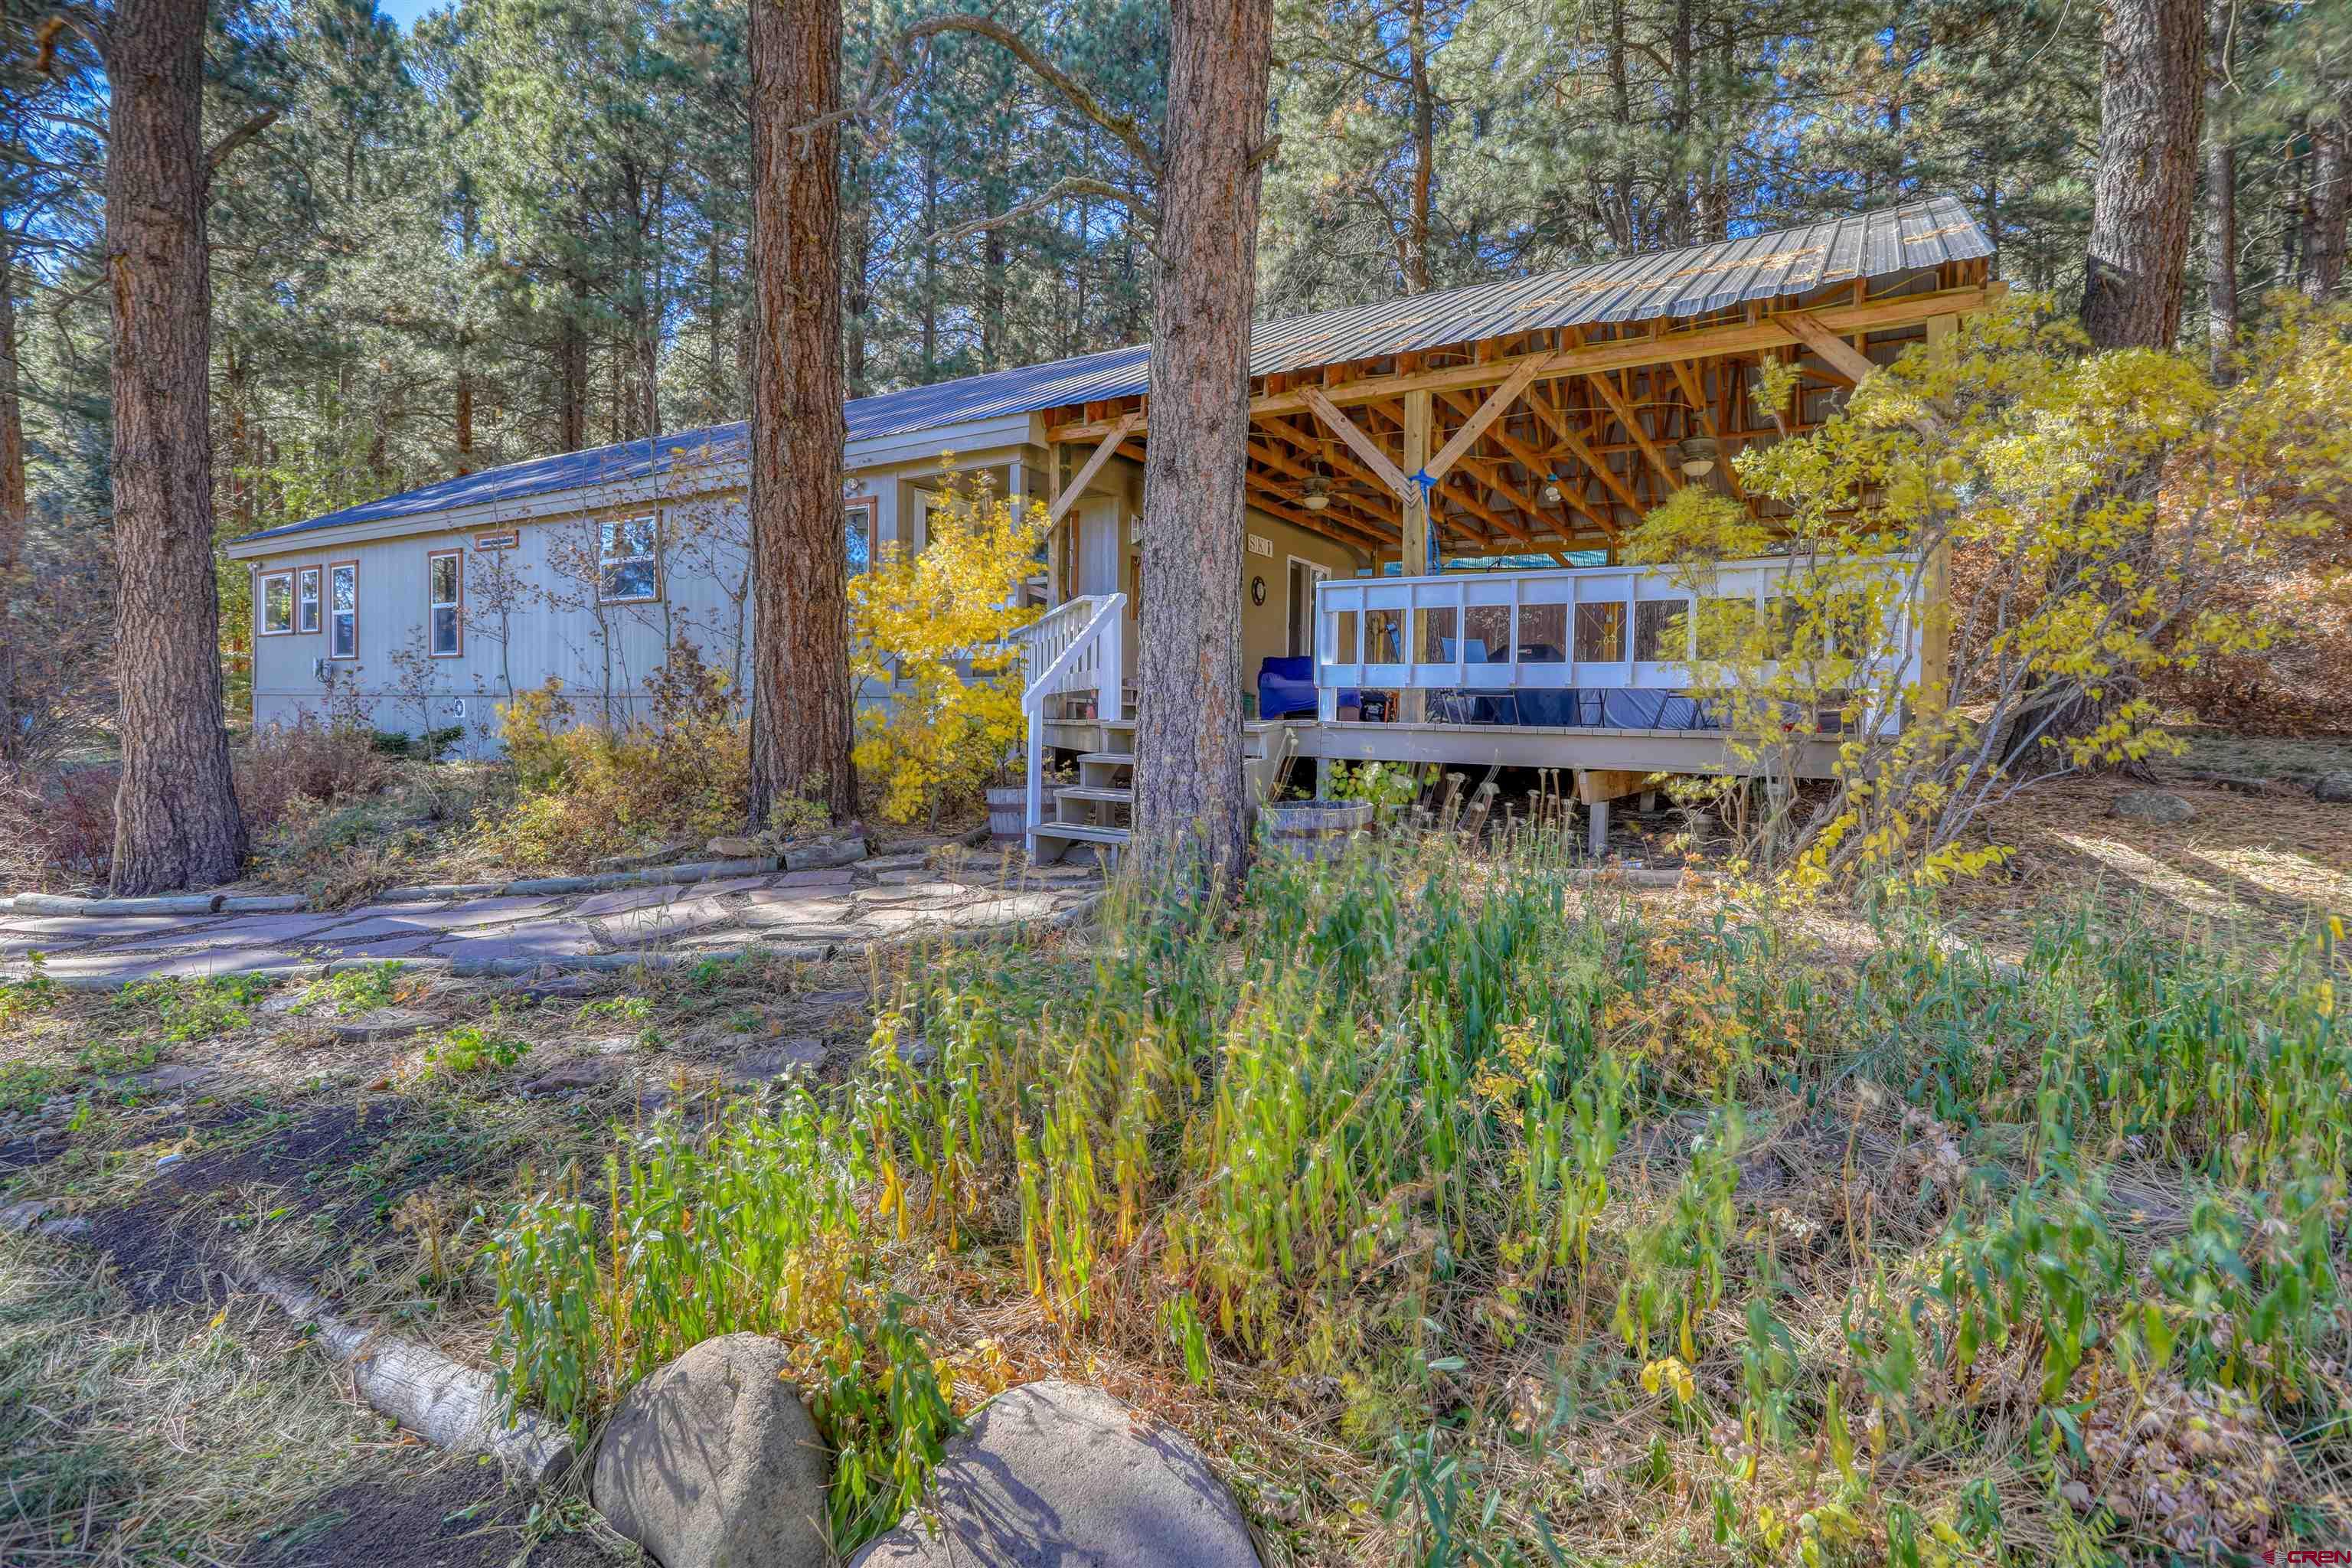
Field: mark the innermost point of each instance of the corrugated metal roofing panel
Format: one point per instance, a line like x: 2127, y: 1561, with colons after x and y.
x: 1670, y: 283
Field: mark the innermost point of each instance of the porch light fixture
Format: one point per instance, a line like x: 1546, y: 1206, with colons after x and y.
x: 1698, y: 453
x: 1551, y: 488
x: 1318, y: 494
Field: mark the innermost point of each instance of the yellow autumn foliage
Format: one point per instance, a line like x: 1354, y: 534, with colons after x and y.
x: 2091, y: 506
x: 929, y: 629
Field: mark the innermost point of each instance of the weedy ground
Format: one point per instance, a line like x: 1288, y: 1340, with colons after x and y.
x: 1465, y: 1212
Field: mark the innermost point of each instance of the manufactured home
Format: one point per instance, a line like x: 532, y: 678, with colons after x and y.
x: 1437, y: 487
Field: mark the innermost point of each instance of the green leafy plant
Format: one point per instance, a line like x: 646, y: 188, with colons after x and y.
x: 195, y: 1009
x: 469, y: 1048
x: 363, y: 989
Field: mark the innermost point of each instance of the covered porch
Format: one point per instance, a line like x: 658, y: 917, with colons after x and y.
x: 1484, y: 452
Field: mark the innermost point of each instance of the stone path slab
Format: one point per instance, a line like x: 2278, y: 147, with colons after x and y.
x: 802, y: 914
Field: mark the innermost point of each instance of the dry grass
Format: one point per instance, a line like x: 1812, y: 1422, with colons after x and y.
x: 148, y: 1436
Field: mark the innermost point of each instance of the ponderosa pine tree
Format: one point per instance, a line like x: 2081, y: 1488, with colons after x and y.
x: 2151, y: 108
x: 799, y: 671
x: 176, y: 819
x: 1189, y: 809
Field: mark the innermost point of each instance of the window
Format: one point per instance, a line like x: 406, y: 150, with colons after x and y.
x: 1600, y: 633
x: 626, y: 570
x: 343, y: 610
x: 276, y: 604
x: 306, y: 600
x: 445, y: 574
x: 1661, y: 631
x: 857, y: 519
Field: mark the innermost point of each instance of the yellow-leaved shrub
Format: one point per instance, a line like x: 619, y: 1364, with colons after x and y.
x: 929, y: 631
x: 2092, y: 509
x: 585, y: 791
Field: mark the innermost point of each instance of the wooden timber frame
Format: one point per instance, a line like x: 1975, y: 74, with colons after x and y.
x: 1459, y: 451
x: 1530, y: 446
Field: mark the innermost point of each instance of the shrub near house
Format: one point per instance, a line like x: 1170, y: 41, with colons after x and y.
x: 587, y: 791
x: 931, y: 629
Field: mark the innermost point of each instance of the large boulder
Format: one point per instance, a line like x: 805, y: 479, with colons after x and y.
x: 2151, y: 805
x: 2335, y: 788
x: 712, y: 1462
x: 1056, y: 1474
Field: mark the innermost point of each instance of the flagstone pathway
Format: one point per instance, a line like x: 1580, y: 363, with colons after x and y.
x: 799, y: 914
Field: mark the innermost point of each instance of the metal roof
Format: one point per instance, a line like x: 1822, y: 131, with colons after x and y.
x: 1675, y: 283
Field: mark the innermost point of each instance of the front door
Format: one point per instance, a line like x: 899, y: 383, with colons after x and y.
x: 1299, y: 634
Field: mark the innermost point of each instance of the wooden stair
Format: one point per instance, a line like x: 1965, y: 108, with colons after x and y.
x: 1099, y: 808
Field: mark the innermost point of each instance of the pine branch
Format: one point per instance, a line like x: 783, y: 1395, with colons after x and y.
x: 891, y: 70
x: 226, y: 148
x: 1069, y: 186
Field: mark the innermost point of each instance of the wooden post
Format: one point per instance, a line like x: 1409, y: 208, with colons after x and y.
x: 1054, y: 585
x: 1412, y: 703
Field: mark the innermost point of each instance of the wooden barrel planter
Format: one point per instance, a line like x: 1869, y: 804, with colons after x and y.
x: 1008, y: 810
x: 1314, y: 829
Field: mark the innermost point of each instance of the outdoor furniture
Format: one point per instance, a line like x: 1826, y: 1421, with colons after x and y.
x: 1287, y: 686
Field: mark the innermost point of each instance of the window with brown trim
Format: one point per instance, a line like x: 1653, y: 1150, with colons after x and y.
x: 342, y: 609
x: 445, y: 579
x: 273, y: 604
x: 306, y: 600
x: 629, y: 564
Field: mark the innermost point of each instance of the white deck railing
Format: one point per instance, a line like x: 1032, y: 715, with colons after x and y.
x: 1554, y: 629
x: 1080, y: 646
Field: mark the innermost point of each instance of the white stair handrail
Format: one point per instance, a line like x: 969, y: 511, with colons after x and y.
x: 1087, y: 647
x: 1042, y: 639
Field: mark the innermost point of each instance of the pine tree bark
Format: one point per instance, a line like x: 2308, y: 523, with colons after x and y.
x: 2151, y: 105
x: 571, y: 369
x: 800, y: 673
x: 12, y: 497
x: 176, y: 822
x: 1190, y: 813
x: 2331, y: 183
x: 2220, y: 196
x: 1424, y: 150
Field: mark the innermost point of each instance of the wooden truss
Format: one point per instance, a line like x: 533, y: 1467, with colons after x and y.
x: 1543, y: 442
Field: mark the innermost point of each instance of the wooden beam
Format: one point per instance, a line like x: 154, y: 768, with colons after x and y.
x: 1306, y: 443
x: 1348, y: 430
x: 1263, y: 496
x: 1472, y: 504
x: 1617, y: 353
x: 1536, y: 465
x: 1835, y: 350
x: 1670, y: 473
x: 1501, y: 398
x: 1590, y: 460
x: 1421, y: 546
x: 1120, y: 431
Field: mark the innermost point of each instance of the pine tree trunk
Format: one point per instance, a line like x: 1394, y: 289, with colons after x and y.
x: 176, y: 819
x: 2220, y: 196
x: 2151, y: 107
x: 571, y: 367
x: 465, y: 411
x: 2331, y: 182
x: 2151, y: 104
x: 800, y: 673
x: 12, y: 497
x: 1424, y: 150
x: 1190, y: 812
